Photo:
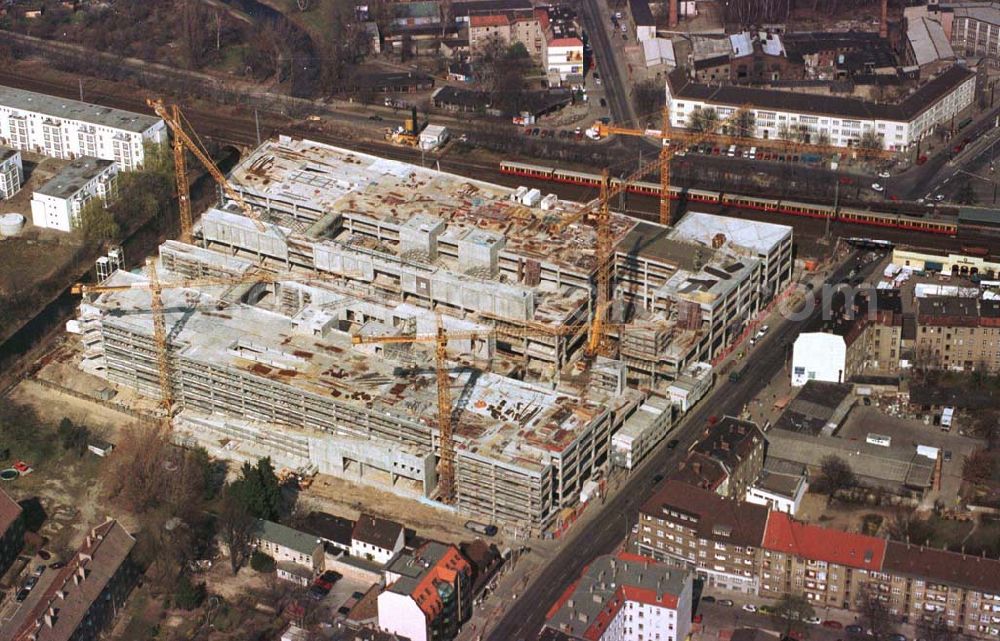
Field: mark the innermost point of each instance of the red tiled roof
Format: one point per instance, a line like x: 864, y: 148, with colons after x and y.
x: 542, y: 16
x: 445, y: 570
x: 489, y: 20
x: 9, y: 511
x: 565, y: 42
x: 784, y: 534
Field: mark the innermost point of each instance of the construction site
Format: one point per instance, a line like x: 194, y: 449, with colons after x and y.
x: 442, y: 338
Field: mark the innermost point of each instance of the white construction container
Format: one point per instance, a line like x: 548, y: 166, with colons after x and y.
x: 532, y: 198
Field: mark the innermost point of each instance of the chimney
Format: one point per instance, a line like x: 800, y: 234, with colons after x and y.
x: 883, y: 27
x: 673, y: 13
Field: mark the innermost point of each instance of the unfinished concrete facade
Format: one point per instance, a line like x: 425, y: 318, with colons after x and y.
x: 270, y: 369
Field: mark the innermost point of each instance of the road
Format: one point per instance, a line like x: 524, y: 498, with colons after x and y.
x: 603, y: 533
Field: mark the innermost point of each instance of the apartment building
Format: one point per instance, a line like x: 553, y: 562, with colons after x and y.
x: 428, y: 593
x: 817, y: 562
x: 525, y: 26
x: 841, y: 120
x: 957, y: 332
x: 718, y: 538
x: 624, y: 597
x: 69, y: 129
x: 57, y: 203
x: 831, y: 568
x: 376, y: 539
x: 81, y: 600
x: 11, y: 531
x: 739, y: 447
x: 11, y: 173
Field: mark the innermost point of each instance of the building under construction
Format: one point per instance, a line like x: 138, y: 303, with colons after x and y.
x: 393, y: 250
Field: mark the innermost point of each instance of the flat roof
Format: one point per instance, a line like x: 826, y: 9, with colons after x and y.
x: 7, y: 152
x: 56, y: 107
x: 73, y: 177
x: 683, y: 88
x: 702, y: 228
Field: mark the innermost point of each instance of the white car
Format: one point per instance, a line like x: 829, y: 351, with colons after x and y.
x: 939, y: 197
x: 814, y: 620
x: 877, y: 187
x: 884, y: 174
x: 749, y: 607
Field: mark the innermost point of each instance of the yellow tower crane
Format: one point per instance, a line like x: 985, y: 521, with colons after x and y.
x: 440, y: 338
x: 183, y: 140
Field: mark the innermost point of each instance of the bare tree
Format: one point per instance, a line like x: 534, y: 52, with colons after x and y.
x: 835, y: 475
x: 236, y: 526
x: 303, y: 5
x: 791, y: 613
x: 874, y: 612
x: 704, y: 120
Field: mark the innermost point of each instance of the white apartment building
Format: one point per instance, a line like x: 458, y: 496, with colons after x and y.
x: 70, y: 129
x: 779, y: 114
x: 11, y: 173
x: 626, y: 597
x: 565, y: 57
x: 57, y: 204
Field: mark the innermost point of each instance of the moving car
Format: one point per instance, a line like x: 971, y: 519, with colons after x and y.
x: 877, y: 187
x: 833, y: 625
x: 672, y: 444
x: 854, y: 629
x: 884, y: 174
x: 749, y: 607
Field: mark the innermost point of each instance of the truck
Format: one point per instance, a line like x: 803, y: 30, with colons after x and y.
x: 481, y: 528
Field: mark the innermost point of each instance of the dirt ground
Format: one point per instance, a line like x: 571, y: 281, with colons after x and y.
x: 343, y: 498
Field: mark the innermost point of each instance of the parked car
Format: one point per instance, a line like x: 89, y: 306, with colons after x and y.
x: 31, y: 583
x: 725, y: 602
x: 854, y: 629
x: 877, y: 187
x: 317, y: 592
x: 697, y: 618
x: 884, y: 174
x: 897, y: 637
x: 375, y: 117
x: 833, y: 625
x: 845, y: 180
x: 604, y: 103
x: 22, y: 594
x: 708, y: 599
x: 749, y: 607
x: 921, y: 160
x: 939, y: 197
x: 534, y: 132
x: 657, y: 479
x: 814, y: 620
x: 673, y: 443
x: 947, y: 456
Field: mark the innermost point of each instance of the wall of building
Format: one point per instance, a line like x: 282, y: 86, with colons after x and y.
x: 400, y: 614
x: 11, y: 176
x: 63, y: 214
x: 69, y: 139
x: 818, y: 356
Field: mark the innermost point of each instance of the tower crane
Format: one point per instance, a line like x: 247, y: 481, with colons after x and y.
x: 440, y: 338
x: 673, y: 139
x: 183, y: 140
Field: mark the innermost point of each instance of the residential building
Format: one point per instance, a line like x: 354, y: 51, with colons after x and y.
x: 69, y: 129
x: 525, y: 26
x: 428, y: 593
x: 739, y: 446
x: 820, y: 563
x: 11, y: 173
x: 625, y: 597
x: 287, y: 545
x: 57, y: 203
x: 81, y: 600
x: 334, y: 531
x: 779, y: 114
x: 717, y: 537
x: 957, y: 332
x: 702, y: 471
x: 376, y: 539
x: 11, y: 531
x: 564, y: 57
x: 831, y: 568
